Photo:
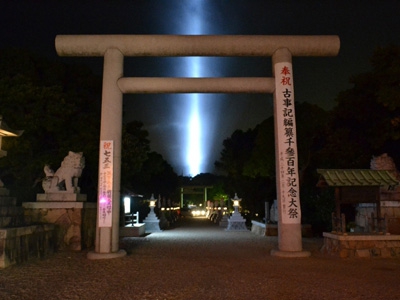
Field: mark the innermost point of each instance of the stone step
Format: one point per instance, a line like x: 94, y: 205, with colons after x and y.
x: 8, y: 201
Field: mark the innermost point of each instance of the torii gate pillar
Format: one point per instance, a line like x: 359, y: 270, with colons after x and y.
x: 107, y: 229
x: 286, y: 158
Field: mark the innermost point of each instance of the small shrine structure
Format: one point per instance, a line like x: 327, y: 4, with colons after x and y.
x: 355, y: 186
x: 359, y: 187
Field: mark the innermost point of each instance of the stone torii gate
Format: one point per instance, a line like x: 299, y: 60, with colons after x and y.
x: 115, y: 47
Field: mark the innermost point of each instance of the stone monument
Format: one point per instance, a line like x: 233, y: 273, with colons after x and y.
x: 273, y: 214
x: 62, y: 204
x: 62, y: 185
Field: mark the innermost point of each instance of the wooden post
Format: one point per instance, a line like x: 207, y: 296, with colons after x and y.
x: 343, y: 229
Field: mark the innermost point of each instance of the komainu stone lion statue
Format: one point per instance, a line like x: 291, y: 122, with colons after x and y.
x: 66, y: 177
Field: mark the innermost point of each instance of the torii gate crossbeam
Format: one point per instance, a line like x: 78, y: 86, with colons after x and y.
x: 197, y: 45
x: 115, y: 47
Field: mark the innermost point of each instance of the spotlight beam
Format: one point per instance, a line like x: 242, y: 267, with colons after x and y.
x: 194, y: 157
x: 158, y: 85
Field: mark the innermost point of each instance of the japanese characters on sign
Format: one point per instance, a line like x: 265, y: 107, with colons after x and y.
x: 104, y: 216
x: 286, y: 144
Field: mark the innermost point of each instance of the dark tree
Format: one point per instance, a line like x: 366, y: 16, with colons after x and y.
x: 157, y: 176
x: 135, y: 149
x: 365, y: 121
x: 58, y: 107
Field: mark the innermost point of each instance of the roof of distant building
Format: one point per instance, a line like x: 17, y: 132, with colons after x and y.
x: 356, y: 177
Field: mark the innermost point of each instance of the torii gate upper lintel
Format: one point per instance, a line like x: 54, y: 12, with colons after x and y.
x: 197, y: 45
x: 115, y: 47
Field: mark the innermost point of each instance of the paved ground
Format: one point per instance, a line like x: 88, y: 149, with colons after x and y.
x: 199, y: 260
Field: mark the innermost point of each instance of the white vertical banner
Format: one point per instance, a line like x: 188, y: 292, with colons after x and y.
x: 104, y: 216
x: 289, y: 187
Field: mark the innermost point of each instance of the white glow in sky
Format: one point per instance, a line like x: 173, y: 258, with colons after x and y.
x: 193, y: 157
x: 194, y: 147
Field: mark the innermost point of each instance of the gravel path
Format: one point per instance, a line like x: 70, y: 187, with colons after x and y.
x: 199, y: 260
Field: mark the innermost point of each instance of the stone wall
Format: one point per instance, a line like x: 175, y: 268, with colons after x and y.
x: 75, y: 222
x: 20, y: 244
x: 361, y: 245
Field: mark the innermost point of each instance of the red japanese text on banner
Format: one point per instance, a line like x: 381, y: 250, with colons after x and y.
x: 104, y: 216
x: 287, y: 144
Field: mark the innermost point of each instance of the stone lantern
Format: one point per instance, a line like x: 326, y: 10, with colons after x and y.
x: 151, y: 221
x: 5, y: 131
x: 236, y: 222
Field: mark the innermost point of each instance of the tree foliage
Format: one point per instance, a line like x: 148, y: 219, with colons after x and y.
x: 57, y: 106
x: 365, y: 121
x: 310, y: 124
x: 135, y: 149
x: 248, y: 158
x: 236, y: 152
x: 156, y: 177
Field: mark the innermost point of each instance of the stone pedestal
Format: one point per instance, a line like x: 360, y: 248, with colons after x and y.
x: 75, y: 222
x: 152, y: 222
x: 133, y: 230
x: 236, y: 223
x: 61, y: 197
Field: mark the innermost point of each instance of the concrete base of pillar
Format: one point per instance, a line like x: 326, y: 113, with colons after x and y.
x: 61, y: 196
x: 134, y: 230
x: 236, y: 223
x: 94, y: 255
x: 289, y: 254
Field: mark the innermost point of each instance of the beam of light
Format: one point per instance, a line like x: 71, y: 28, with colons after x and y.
x: 193, y: 156
x: 195, y: 116
x: 194, y: 147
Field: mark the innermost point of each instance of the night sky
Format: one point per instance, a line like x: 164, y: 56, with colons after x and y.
x: 361, y: 25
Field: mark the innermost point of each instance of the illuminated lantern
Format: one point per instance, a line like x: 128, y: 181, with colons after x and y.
x: 5, y: 131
